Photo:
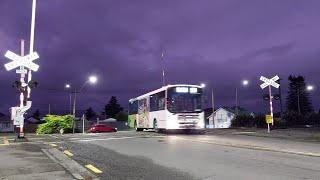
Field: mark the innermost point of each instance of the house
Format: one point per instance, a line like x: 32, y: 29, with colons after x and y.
x: 32, y: 120
x: 222, y: 118
x: 6, y: 125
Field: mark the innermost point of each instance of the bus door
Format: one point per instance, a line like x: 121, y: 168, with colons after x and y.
x: 143, y: 113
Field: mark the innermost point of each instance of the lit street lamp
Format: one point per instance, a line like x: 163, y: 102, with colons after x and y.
x: 310, y: 88
x: 244, y: 83
x: 92, y: 80
x: 68, y: 86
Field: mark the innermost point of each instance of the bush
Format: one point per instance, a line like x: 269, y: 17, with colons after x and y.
x: 280, y: 122
x: 313, y: 119
x: 54, y: 123
x: 243, y: 121
x: 249, y: 121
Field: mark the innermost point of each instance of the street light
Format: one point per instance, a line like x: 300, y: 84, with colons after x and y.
x: 92, y: 80
x: 68, y: 86
x: 203, y: 85
x: 310, y: 88
x: 244, y: 83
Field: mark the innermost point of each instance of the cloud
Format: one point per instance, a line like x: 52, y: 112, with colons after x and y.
x: 217, y: 42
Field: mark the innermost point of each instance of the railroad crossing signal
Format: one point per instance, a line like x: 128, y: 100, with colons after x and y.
x: 25, y: 61
x: 268, y: 82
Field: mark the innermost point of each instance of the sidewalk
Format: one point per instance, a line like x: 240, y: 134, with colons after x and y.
x: 25, y: 161
x: 276, y: 143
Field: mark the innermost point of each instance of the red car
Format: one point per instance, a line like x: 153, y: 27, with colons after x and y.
x: 97, y: 128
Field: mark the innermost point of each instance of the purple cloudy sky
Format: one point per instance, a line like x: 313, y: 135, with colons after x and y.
x: 219, y: 42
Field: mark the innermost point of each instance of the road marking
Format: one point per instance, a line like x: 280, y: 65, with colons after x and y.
x: 68, y: 153
x: 246, y: 146
x: 94, y: 169
x: 53, y: 145
x: 104, y: 139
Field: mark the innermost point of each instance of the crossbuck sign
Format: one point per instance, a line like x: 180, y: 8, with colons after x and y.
x: 25, y: 61
x: 268, y: 82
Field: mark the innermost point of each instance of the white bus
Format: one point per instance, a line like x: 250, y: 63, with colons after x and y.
x: 170, y: 107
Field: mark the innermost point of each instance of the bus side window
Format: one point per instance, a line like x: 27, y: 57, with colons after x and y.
x: 157, y: 101
x: 161, y: 100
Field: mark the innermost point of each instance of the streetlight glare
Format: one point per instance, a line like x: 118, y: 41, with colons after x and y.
x: 203, y: 85
x: 245, y: 82
x: 67, y: 86
x: 93, y: 79
x: 310, y: 88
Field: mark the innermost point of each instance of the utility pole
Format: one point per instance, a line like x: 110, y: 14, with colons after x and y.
x: 212, y: 103
x: 163, y: 71
x: 74, y: 111
x: 280, y: 97
x: 49, y: 109
x: 83, y: 117
x: 237, y: 101
x: 70, y: 103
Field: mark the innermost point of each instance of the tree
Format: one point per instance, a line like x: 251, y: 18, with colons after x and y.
x: 298, y: 99
x: 36, y: 114
x: 112, y: 108
x: 90, y: 113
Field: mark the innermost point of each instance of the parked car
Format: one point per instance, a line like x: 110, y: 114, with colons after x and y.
x: 97, y: 128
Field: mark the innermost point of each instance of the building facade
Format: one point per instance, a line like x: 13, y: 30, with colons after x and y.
x: 221, y: 118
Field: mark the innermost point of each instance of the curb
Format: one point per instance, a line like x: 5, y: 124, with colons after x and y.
x: 244, y: 146
x: 74, y: 168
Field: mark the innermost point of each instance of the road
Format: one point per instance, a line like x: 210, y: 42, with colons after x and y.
x: 148, y: 155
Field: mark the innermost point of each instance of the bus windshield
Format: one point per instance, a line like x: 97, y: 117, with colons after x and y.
x: 184, y: 99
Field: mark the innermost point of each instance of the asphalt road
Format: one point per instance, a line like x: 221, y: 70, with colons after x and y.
x: 147, y: 155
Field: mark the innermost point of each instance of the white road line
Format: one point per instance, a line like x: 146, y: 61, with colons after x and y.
x: 104, y: 139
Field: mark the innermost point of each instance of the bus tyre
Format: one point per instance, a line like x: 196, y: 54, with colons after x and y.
x: 155, y: 125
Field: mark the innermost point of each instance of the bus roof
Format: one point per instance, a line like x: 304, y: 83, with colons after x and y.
x: 162, y: 89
